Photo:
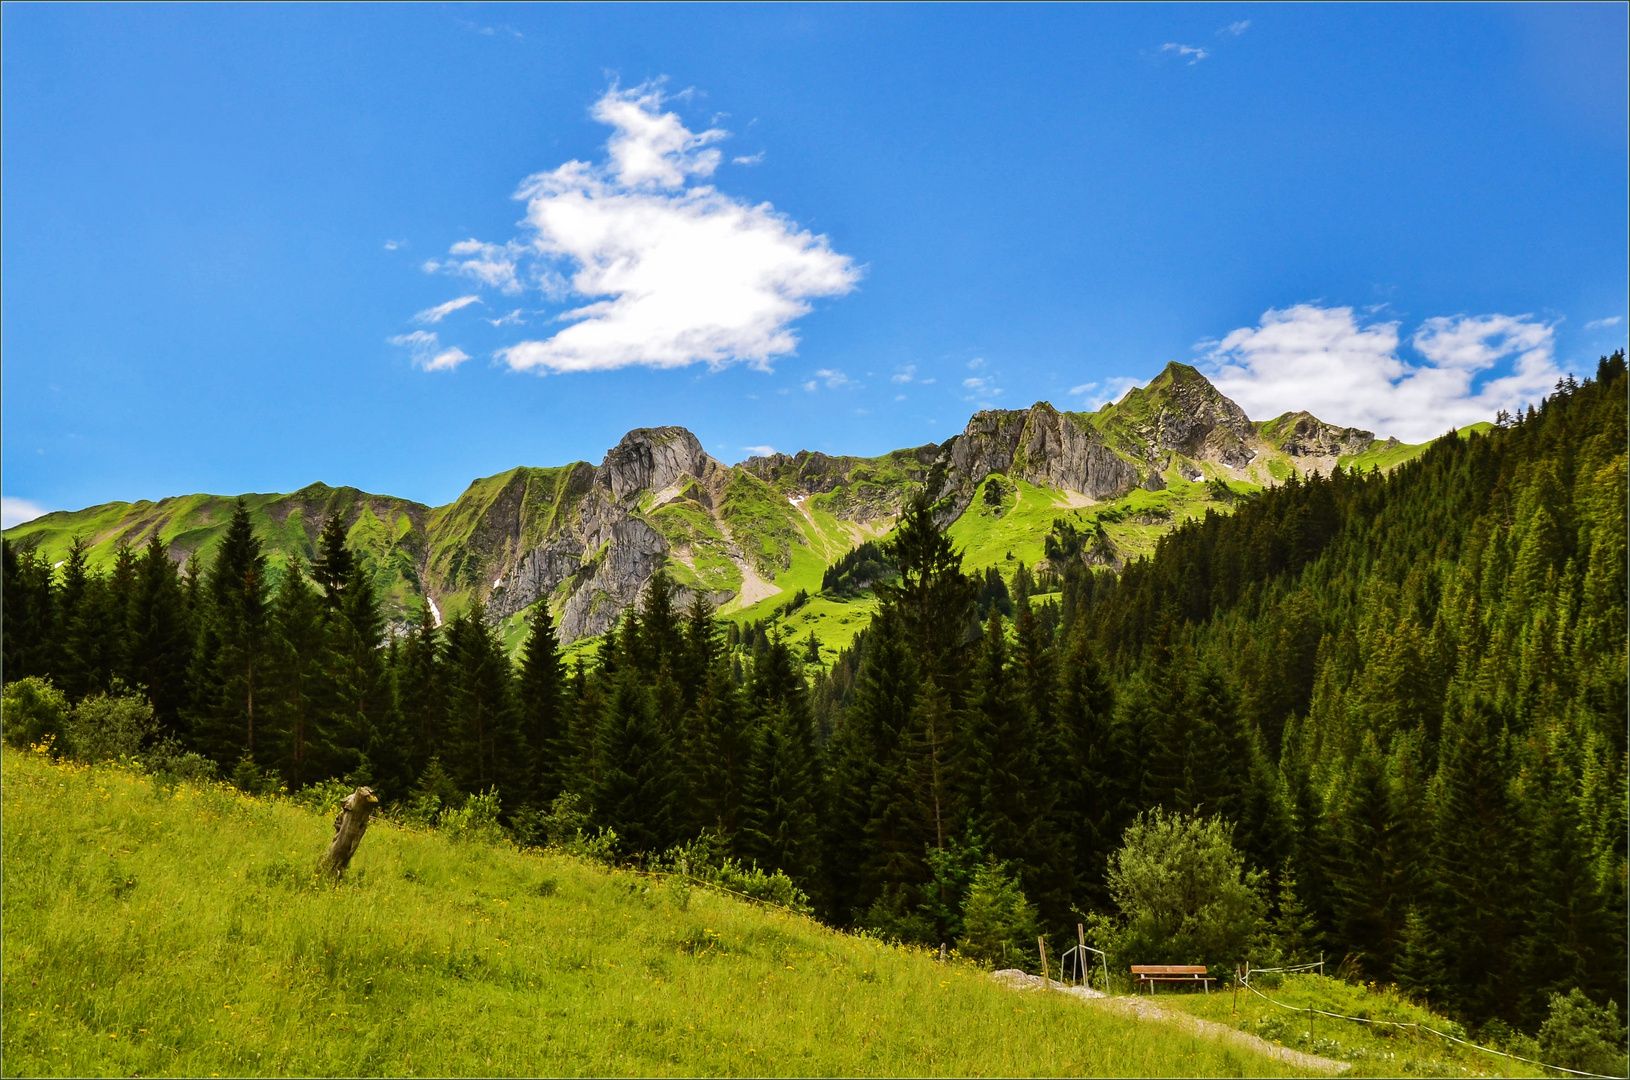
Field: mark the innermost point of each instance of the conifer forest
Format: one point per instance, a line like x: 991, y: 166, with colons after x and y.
x: 1403, y: 695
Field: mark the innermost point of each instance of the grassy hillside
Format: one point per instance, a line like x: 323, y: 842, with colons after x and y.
x: 178, y: 931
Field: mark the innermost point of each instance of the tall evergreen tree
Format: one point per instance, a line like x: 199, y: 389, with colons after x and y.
x: 160, y: 634
x: 229, y: 666
x: 542, y: 704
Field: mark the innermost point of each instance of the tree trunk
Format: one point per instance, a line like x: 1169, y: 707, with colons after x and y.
x: 349, y: 826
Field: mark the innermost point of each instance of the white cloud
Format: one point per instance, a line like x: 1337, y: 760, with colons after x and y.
x: 1096, y: 395
x: 977, y: 362
x: 1235, y: 29
x: 760, y: 451
x: 834, y: 378
x: 674, y: 272
x: 748, y: 159
x: 810, y: 386
x: 1186, y: 50
x: 899, y: 397
x: 1345, y: 372
x: 446, y: 360
x: 441, y: 311
x: 392, y: 245
x: 1603, y: 324
x: 14, y: 511
x: 973, y: 384
x: 511, y: 319
x: 905, y: 375
x: 428, y: 353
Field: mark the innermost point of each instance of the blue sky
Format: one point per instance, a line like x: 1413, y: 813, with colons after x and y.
x: 239, y: 242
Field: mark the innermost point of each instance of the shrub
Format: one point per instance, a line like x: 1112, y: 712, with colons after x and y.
x: 998, y: 923
x: 477, y: 819
x: 1184, y: 892
x: 32, y: 711
x: 107, y: 727
x: 1579, y: 1034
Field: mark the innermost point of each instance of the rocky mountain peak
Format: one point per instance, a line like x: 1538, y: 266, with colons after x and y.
x: 650, y: 459
x: 1180, y: 411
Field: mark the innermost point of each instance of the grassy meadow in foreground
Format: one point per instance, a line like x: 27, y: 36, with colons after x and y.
x: 151, y: 930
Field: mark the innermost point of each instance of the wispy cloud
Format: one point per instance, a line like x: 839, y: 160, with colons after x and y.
x: 1345, y: 371
x: 1603, y: 324
x: 1194, y: 51
x: 428, y: 353
x: 760, y: 451
x: 748, y: 159
x: 1095, y: 395
x: 905, y: 374
x: 1235, y: 29
x: 14, y: 511
x: 441, y: 311
x: 674, y: 272
x: 977, y: 362
x: 392, y: 245
x: 834, y: 378
x: 512, y: 319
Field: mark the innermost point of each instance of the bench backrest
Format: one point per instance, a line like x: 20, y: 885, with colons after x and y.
x: 1168, y: 969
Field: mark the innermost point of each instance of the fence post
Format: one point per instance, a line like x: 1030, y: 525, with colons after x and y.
x: 1041, y: 947
x: 1081, y: 957
x: 1236, y: 991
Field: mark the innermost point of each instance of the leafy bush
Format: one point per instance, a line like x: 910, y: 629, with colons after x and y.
x: 1579, y: 1034
x: 476, y: 819
x: 107, y: 727
x: 170, y: 764
x: 998, y: 922
x: 703, y: 859
x: 324, y: 795
x: 1184, y: 892
x: 32, y: 712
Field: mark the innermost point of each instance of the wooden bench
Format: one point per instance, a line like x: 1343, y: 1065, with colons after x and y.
x: 1177, y: 973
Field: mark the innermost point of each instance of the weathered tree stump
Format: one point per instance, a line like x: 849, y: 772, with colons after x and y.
x: 349, y: 826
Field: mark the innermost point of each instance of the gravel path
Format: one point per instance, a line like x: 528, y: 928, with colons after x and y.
x: 1145, y: 1009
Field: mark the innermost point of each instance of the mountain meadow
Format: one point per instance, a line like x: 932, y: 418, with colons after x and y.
x: 694, y: 768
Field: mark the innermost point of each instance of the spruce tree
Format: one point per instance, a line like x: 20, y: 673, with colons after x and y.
x: 299, y: 741
x: 632, y: 791
x: 160, y: 634
x: 542, y: 703
x: 334, y: 564
x: 229, y: 667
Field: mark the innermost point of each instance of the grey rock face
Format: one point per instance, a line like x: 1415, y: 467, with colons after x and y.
x: 1039, y: 445
x: 650, y: 459
x: 1301, y: 434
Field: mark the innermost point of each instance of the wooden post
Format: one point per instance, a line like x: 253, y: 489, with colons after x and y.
x: 1236, y: 991
x: 1041, y: 947
x: 349, y: 826
x: 1081, y: 956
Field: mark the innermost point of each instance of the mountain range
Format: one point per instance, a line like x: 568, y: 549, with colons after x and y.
x: 752, y: 535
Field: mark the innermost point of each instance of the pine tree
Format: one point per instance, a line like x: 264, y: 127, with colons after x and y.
x: 1372, y: 876
x: 632, y: 791
x: 299, y: 743
x: 160, y: 634
x: 542, y: 702
x: 483, y: 747
x: 421, y: 691
x: 334, y: 564
x: 1090, y: 772
x: 933, y: 598
x: 229, y: 667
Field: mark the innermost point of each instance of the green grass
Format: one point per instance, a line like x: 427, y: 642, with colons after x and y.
x: 1374, y: 1050
x: 1386, y: 458
x: 179, y: 931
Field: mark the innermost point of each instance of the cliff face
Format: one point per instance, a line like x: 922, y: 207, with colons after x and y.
x: 1039, y: 445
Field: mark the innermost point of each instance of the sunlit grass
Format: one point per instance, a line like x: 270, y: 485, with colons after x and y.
x: 180, y: 931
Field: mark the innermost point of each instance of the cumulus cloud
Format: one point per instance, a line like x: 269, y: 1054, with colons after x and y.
x: 1235, y: 29
x: 14, y: 511
x: 905, y: 374
x: 673, y: 271
x: 1603, y: 324
x: 1346, y: 371
x: 1186, y: 50
x: 427, y: 351
x: 441, y: 311
x: 392, y: 245
x: 833, y: 378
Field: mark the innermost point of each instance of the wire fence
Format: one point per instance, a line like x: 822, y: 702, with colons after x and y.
x: 1243, y: 981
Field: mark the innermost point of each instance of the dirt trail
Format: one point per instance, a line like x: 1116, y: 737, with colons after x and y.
x: 1145, y: 1009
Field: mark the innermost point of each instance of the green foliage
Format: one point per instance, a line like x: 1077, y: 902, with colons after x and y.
x: 33, y: 712
x: 110, y: 727
x: 1579, y: 1034
x: 1184, y: 892
x: 998, y: 923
